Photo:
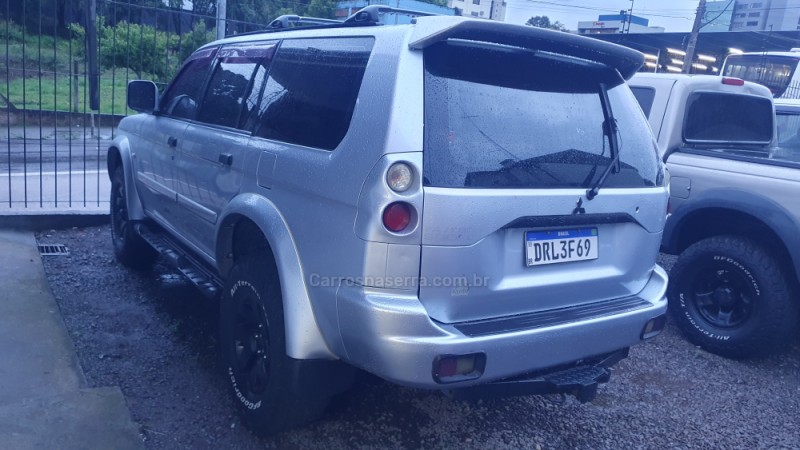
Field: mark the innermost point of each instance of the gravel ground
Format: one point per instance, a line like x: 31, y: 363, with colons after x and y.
x: 153, y: 335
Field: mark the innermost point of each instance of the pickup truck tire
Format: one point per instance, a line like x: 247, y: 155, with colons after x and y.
x: 129, y: 248
x: 729, y: 296
x: 252, y: 340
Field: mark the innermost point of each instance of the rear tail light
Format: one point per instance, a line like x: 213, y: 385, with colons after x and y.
x: 399, y: 177
x: 397, y: 216
x: 732, y: 81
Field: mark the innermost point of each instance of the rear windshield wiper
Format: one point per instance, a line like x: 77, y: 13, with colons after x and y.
x: 609, y: 129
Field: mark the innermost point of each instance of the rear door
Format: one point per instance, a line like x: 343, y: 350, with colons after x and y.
x: 513, y: 140
x: 211, y: 163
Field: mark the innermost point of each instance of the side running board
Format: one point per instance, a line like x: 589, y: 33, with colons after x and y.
x: 201, y: 276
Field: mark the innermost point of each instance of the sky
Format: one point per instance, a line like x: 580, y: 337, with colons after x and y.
x: 673, y: 15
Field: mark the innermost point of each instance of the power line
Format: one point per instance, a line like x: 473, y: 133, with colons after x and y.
x: 724, y: 10
x: 601, y: 9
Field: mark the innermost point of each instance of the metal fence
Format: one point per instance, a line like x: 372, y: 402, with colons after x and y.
x: 65, y: 65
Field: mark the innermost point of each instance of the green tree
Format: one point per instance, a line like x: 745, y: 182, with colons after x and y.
x: 544, y: 22
x: 148, y: 51
x: 321, y: 8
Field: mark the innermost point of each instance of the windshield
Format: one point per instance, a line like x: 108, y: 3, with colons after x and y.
x: 499, y: 117
x: 773, y: 71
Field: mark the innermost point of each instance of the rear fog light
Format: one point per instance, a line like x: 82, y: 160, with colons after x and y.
x: 653, y: 327
x: 452, y: 368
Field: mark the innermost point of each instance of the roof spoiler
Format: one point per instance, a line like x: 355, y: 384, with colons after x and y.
x: 436, y: 29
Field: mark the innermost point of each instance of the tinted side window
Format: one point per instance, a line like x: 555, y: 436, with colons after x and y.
x: 645, y: 98
x: 183, y: 95
x: 239, y: 69
x: 787, y: 147
x: 312, y: 90
x: 732, y: 118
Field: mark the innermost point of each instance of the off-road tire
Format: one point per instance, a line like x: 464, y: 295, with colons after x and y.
x: 729, y: 295
x: 129, y: 248
x: 253, y: 352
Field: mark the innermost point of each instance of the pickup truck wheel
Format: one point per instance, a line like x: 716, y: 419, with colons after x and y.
x: 729, y: 296
x: 129, y: 248
x: 253, y: 348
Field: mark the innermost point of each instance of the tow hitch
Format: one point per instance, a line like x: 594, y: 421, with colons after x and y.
x: 579, y: 380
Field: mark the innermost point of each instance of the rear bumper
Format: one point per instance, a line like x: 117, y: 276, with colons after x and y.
x: 389, y: 333
x: 580, y: 380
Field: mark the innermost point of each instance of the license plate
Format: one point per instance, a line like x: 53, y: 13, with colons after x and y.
x: 560, y: 246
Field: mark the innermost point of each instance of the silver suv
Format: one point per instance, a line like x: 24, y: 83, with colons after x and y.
x: 450, y: 204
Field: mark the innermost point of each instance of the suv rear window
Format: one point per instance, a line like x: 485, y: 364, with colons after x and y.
x: 504, y: 117
x: 730, y: 118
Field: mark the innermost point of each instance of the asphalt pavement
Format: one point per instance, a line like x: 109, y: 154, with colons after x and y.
x: 44, y: 401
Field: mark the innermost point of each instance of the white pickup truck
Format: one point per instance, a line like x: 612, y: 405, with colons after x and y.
x: 735, y: 213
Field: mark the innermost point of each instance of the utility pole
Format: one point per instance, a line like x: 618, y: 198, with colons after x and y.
x: 630, y: 18
x: 221, y: 13
x: 698, y: 21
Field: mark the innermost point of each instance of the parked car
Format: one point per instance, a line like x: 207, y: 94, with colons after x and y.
x: 734, y: 219
x: 787, y: 124
x: 451, y: 204
x: 702, y: 111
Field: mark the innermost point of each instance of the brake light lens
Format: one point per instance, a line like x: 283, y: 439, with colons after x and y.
x: 397, y: 216
x: 399, y: 177
x: 732, y: 81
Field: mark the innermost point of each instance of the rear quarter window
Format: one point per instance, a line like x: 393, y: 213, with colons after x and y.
x: 714, y: 117
x: 311, y: 91
x: 645, y: 97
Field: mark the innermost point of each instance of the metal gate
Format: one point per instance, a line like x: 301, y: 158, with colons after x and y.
x: 65, y: 65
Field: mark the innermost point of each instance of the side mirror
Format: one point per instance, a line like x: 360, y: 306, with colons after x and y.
x: 142, y: 96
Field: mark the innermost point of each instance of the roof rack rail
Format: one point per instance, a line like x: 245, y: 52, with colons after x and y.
x: 292, y: 20
x: 371, y: 14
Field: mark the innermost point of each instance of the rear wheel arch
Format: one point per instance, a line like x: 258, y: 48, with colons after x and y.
x: 717, y: 221
x: 250, y: 215
x: 241, y: 237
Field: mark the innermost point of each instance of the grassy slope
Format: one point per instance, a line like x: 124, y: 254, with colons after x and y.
x: 46, y: 61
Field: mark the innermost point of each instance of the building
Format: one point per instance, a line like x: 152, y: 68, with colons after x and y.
x: 484, y: 9
x: 346, y: 8
x: 766, y: 15
x: 617, y: 23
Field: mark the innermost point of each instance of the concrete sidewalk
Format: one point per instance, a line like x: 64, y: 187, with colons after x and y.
x: 43, y: 399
